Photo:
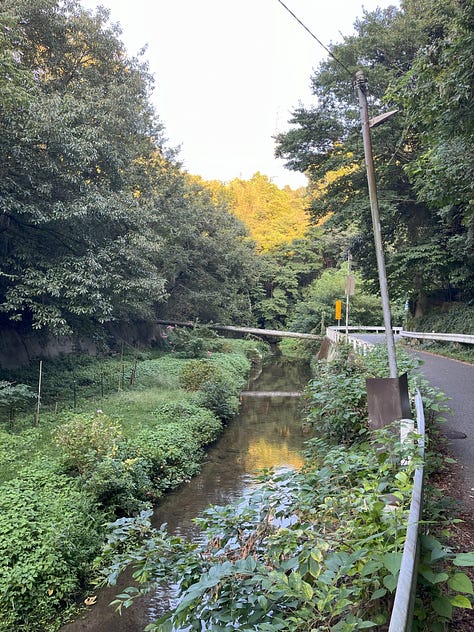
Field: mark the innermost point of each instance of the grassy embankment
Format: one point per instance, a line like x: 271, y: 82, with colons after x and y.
x: 113, y: 436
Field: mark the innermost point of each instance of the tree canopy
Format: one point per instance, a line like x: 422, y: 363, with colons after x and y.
x: 417, y: 60
x: 98, y: 221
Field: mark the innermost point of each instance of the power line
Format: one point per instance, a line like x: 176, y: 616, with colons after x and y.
x: 318, y: 40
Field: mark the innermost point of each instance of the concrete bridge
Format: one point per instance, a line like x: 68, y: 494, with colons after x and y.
x: 276, y: 334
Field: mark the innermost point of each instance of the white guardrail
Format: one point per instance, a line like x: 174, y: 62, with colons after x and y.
x: 402, y: 612
x: 424, y: 335
x: 338, y: 334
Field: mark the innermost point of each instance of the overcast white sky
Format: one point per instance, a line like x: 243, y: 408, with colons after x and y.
x: 229, y: 72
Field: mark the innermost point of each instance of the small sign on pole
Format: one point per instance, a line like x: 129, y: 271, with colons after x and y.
x: 350, y: 285
x: 338, y: 310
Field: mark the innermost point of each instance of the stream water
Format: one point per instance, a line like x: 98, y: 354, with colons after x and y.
x: 267, y: 432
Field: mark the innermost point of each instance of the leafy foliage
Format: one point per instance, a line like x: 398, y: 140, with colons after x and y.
x: 99, y: 222
x: 416, y: 60
x: 318, y: 549
x: 50, y: 531
x: 316, y: 308
x: 14, y: 397
x: 59, y: 487
x: 294, y: 554
x: 87, y: 439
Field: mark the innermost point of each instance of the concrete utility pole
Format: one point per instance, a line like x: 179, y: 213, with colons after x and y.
x: 349, y: 289
x: 361, y: 85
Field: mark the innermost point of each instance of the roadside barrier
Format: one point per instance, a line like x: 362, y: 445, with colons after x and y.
x: 342, y: 334
x: 402, y: 612
x: 424, y: 335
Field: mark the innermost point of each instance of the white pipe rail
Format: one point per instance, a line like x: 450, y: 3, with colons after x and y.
x: 338, y: 334
x: 402, y: 611
x: 424, y: 335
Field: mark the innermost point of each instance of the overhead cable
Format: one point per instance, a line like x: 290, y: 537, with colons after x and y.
x: 351, y: 74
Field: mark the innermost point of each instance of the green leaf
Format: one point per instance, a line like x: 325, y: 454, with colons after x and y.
x: 392, y: 562
x: 464, y: 559
x: 460, y: 601
x: 461, y: 583
x: 308, y: 591
x: 381, y: 592
x: 443, y: 607
x: 390, y: 582
x: 434, y: 578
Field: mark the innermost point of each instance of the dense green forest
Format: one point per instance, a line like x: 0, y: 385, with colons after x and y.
x: 100, y: 223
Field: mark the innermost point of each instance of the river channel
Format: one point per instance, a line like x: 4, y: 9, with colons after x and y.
x: 267, y: 432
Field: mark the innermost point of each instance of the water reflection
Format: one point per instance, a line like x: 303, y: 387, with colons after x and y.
x: 267, y: 433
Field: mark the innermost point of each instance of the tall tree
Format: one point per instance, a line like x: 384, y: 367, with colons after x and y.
x: 437, y: 96
x: 73, y: 235
x: 327, y: 138
x: 97, y: 219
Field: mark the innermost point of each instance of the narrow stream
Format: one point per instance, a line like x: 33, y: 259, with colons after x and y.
x: 266, y: 433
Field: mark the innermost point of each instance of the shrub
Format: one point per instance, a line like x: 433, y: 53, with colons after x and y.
x: 204, y: 425
x: 195, y: 342
x: 173, y: 454
x: 195, y: 373
x: 235, y: 367
x: 120, y: 485
x: 86, y: 439
x: 337, y: 399
x: 219, y: 395
x: 450, y: 318
x: 14, y: 397
x: 49, y: 534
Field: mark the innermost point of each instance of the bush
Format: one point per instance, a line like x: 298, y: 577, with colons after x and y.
x: 120, y: 485
x: 450, y: 318
x: 86, y: 439
x: 14, y: 397
x: 49, y: 534
x: 204, y: 425
x: 173, y: 454
x: 195, y: 342
x: 219, y: 396
x: 195, y: 373
x: 337, y: 398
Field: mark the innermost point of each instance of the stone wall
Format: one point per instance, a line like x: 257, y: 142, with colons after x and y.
x: 19, y: 349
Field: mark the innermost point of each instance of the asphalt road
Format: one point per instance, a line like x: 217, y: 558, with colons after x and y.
x: 456, y: 380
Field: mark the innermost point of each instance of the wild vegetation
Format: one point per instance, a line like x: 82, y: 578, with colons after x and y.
x: 102, y: 455
x: 99, y: 223
x: 320, y: 548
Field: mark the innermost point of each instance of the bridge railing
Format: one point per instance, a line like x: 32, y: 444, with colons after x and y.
x: 343, y: 334
x: 339, y: 334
